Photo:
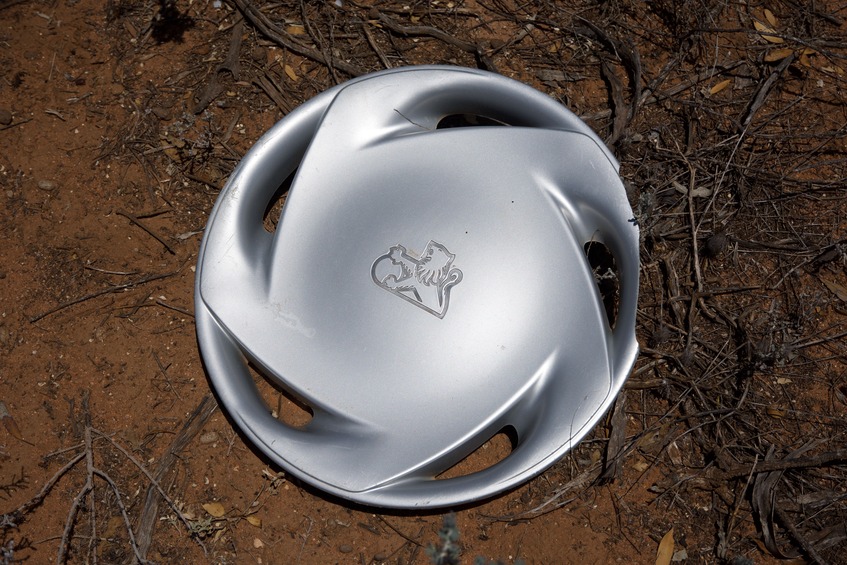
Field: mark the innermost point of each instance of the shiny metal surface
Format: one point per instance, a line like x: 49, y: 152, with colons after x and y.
x: 424, y: 287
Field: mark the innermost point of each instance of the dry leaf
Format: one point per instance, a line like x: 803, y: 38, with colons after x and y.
x: 837, y: 289
x: 169, y: 150
x: 674, y: 453
x: 783, y: 381
x: 771, y: 18
x: 290, y: 72
x: 776, y: 412
x: 254, y: 521
x: 665, y: 552
x: 763, y: 29
x: 295, y: 30
x: 9, y: 423
x: 216, y: 509
x: 175, y: 141
x: 701, y: 192
x: 720, y: 86
x: 804, y: 57
x: 765, y: 550
x: 777, y: 55
x: 640, y: 466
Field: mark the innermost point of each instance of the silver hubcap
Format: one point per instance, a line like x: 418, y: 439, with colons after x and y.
x: 424, y: 289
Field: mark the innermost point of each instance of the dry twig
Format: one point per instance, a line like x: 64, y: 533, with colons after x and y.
x: 284, y: 39
x: 150, y: 232
x: 155, y: 494
x: 107, y: 290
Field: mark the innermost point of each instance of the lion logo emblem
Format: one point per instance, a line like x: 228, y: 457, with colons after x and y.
x: 424, y: 281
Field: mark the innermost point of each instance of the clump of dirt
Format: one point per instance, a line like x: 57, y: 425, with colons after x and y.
x: 119, y: 124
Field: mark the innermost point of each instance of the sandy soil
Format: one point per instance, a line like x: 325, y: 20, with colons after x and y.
x: 119, y: 124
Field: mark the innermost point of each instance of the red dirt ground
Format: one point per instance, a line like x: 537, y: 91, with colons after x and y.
x: 95, y: 319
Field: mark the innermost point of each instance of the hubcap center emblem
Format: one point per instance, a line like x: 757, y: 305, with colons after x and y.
x: 424, y: 281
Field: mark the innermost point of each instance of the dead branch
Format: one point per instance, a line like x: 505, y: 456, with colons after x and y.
x: 434, y: 32
x: 763, y: 91
x: 280, y: 36
x: 9, y: 3
x: 617, y: 438
x: 87, y: 492
x: 192, y: 426
x: 150, y: 232
x: 621, y: 48
x: 230, y: 65
x: 369, y: 36
x: 798, y: 537
x: 399, y: 532
x: 425, y: 31
x: 317, y: 39
x: 619, y: 109
x: 19, y: 514
x: 152, y: 480
x: 269, y: 86
x: 823, y: 460
x: 108, y: 290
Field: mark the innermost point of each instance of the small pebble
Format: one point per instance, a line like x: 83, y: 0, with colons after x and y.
x: 5, y: 117
x: 209, y: 437
x: 259, y: 54
x: 46, y: 185
x: 345, y: 548
x: 715, y: 245
x: 161, y: 113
